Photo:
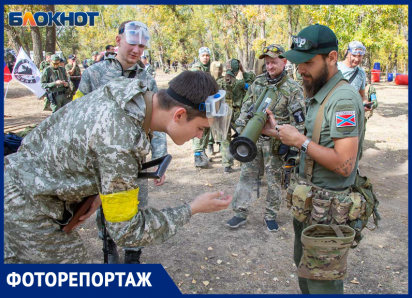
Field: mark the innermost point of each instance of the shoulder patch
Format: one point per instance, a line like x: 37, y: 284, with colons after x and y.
x: 345, y: 118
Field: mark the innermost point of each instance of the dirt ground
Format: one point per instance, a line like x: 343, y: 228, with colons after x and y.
x: 252, y: 260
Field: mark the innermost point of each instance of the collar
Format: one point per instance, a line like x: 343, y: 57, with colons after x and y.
x: 321, y: 95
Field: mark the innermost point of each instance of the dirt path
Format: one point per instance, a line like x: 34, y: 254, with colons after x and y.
x: 252, y: 260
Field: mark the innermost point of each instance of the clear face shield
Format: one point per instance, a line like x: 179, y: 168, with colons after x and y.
x: 219, y: 115
x: 137, y: 33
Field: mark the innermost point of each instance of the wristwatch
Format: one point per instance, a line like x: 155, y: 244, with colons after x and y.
x: 305, y: 144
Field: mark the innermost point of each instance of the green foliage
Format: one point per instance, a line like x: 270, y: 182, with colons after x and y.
x: 235, y: 31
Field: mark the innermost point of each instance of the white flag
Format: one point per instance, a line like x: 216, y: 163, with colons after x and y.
x: 26, y: 73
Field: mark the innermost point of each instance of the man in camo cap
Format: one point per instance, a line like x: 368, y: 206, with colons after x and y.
x: 289, y: 109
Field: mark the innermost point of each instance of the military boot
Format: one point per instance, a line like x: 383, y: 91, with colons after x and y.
x: 113, y: 254
x: 132, y: 257
x: 201, y: 160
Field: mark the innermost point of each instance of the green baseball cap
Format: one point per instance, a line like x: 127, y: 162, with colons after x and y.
x: 55, y: 58
x: 95, y: 53
x: 273, y: 50
x: 48, y: 53
x: 311, y: 41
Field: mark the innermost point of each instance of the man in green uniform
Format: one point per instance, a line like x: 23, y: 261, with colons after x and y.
x: 127, y: 64
x: 235, y: 92
x: 54, y: 80
x: 102, y: 154
x: 288, y: 108
x: 327, y: 169
x: 45, y: 63
x: 199, y: 145
x: 74, y: 73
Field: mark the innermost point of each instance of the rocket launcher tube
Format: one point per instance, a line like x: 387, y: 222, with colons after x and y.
x: 243, y: 148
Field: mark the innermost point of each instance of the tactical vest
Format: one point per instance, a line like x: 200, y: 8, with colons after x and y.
x: 62, y: 76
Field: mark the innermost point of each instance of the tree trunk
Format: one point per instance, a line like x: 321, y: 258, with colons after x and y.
x: 37, y: 45
x: 13, y: 38
x: 50, y: 33
x: 252, y: 52
x: 289, y: 7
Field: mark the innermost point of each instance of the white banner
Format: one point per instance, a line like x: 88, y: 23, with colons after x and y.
x: 27, y: 74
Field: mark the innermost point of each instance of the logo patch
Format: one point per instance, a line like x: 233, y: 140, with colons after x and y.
x: 345, y: 119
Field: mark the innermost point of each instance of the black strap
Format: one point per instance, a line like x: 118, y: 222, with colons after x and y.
x: 132, y: 74
x: 354, y: 75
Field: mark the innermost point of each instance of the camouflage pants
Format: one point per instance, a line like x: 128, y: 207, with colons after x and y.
x: 201, y: 144
x: 46, y: 104
x: 227, y: 157
x: 143, y: 202
x: 250, y: 173
x: 61, y: 101
x: 312, y: 286
x: 32, y: 237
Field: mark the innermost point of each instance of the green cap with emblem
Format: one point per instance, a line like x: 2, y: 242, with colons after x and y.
x: 274, y: 50
x: 95, y: 53
x: 311, y: 41
x: 55, y: 58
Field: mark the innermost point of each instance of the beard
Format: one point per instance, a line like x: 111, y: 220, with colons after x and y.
x: 317, y: 83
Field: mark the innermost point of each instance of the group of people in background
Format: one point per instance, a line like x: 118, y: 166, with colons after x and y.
x: 106, y: 164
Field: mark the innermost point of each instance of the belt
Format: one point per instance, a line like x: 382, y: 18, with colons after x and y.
x: 60, y: 92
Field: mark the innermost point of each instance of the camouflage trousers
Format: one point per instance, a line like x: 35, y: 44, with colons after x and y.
x: 201, y: 144
x: 46, y: 104
x: 143, y: 202
x: 227, y: 157
x: 61, y: 101
x: 32, y: 237
x: 251, y: 172
x: 312, y: 286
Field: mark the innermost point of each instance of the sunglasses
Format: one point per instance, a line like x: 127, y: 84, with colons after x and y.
x: 300, y: 43
x: 56, y: 63
x: 272, y: 48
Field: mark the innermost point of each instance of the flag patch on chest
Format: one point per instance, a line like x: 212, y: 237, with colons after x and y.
x: 345, y: 119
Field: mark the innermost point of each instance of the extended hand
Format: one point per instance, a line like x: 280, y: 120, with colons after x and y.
x: 65, y: 84
x: 210, y: 202
x: 96, y: 204
x: 270, y: 127
x: 160, y: 181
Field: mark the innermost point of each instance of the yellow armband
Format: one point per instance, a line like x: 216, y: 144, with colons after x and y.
x: 120, y: 206
x: 78, y: 94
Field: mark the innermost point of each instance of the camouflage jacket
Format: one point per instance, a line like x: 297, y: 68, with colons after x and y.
x: 94, y: 145
x: 198, y: 66
x: 290, y: 108
x: 43, y: 65
x: 149, y: 68
x: 236, y: 91
x: 76, y: 73
x: 50, y: 76
x: 101, y: 73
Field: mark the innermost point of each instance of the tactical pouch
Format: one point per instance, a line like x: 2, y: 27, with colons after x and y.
x: 363, y: 186
x: 321, y: 211
x: 325, y: 251
x: 302, y: 202
x: 340, y: 211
